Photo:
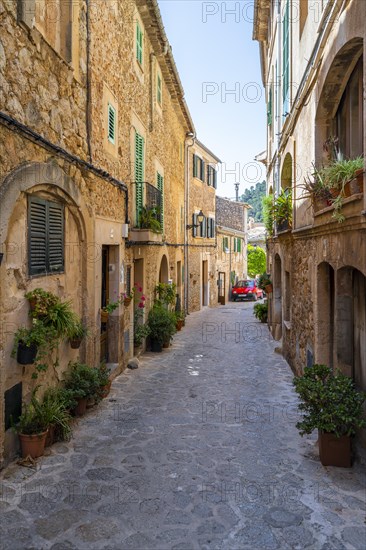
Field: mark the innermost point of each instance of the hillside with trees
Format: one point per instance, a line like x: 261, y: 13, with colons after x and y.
x: 253, y: 196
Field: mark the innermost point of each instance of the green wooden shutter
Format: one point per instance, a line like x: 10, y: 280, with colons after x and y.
x: 194, y: 223
x: 45, y: 236
x: 160, y: 186
x: 55, y: 237
x: 203, y: 227
x: 139, y: 174
x: 202, y: 175
x: 37, y: 236
x: 111, y: 124
x: 239, y: 244
x: 139, y: 43
x: 208, y: 220
x: 235, y: 241
x: 286, y: 58
x: 215, y: 178
x: 212, y: 228
x: 195, y: 170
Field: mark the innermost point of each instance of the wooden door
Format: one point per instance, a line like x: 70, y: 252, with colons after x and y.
x: 222, y: 286
x: 104, y: 302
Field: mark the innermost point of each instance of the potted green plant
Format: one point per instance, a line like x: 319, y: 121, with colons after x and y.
x: 283, y: 210
x: 161, y: 323
x: 165, y: 294
x: 109, y: 308
x: 76, y: 334
x: 40, y: 301
x: 261, y: 312
x: 30, y: 342
x: 104, y: 381
x: 268, y: 213
x: 58, y: 417
x: 149, y: 218
x: 331, y: 404
x: 265, y: 283
x: 179, y: 319
x: 32, y: 428
x: 83, y: 381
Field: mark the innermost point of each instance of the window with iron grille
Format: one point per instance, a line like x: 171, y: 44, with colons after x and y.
x: 45, y: 236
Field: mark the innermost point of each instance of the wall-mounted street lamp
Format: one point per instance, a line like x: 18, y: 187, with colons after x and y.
x: 200, y: 218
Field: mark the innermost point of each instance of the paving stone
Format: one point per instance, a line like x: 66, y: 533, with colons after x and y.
x: 256, y: 535
x: 356, y: 536
x: 57, y: 523
x: 97, y: 530
x: 279, y: 517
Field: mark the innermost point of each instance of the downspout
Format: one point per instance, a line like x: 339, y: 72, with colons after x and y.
x: 186, y: 222
x: 279, y: 103
x: 88, y: 84
x: 152, y: 56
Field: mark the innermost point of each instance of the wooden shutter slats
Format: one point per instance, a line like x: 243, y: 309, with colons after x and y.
x: 46, y: 236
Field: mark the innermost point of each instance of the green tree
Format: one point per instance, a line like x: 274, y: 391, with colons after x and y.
x: 253, y: 196
x: 256, y: 260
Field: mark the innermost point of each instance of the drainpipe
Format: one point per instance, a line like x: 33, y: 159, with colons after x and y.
x: 88, y: 84
x: 187, y: 147
x: 152, y: 56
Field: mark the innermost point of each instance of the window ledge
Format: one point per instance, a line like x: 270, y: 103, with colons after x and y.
x: 347, y: 200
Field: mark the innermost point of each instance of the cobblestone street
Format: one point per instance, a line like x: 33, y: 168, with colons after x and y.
x: 197, y: 449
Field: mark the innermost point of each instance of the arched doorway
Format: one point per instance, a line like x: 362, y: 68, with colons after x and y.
x: 325, y: 314
x: 164, y: 270
x: 351, y: 324
x: 277, y: 298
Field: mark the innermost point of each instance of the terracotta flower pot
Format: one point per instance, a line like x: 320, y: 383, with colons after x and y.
x: 80, y: 408
x: 105, y: 390
x: 356, y: 185
x: 335, y: 451
x: 104, y: 316
x: 126, y: 301
x: 33, y: 445
x: 76, y: 343
x: 268, y: 289
x: 179, y: 325
x: 32, y: 304
x: 50, y: 438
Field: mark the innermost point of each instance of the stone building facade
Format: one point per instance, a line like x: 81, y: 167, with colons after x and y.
x: 313, y: 66
x: 231, y: 251
x: 94, y: 137
x: 201, y: 253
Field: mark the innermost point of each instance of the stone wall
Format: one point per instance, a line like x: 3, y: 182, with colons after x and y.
x: 230, y: 214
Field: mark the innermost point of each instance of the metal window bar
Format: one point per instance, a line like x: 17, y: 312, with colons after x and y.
x: 153, y: 199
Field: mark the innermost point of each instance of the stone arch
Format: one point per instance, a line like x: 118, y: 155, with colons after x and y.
x: 286, y: 172
x: 30, y: 175
x: 277, y: 298
x: 164, y: 270
x: 332, y: 90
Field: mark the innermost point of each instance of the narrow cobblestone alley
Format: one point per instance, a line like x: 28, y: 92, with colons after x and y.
x: 197, y: 449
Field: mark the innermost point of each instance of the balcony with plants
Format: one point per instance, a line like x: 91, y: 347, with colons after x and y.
x: 335, y: 189
x: 277, y: 213
x: 149, y: 220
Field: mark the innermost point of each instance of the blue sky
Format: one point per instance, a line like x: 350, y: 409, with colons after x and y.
x: 215, y: 53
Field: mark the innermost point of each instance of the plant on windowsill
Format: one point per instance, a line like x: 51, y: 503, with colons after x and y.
x: 331, y: 404
x: 283, y: 210
x: 261, y: 312
x: 149, y: 219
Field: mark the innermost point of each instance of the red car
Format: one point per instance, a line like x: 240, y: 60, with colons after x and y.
x: 246, y: 290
